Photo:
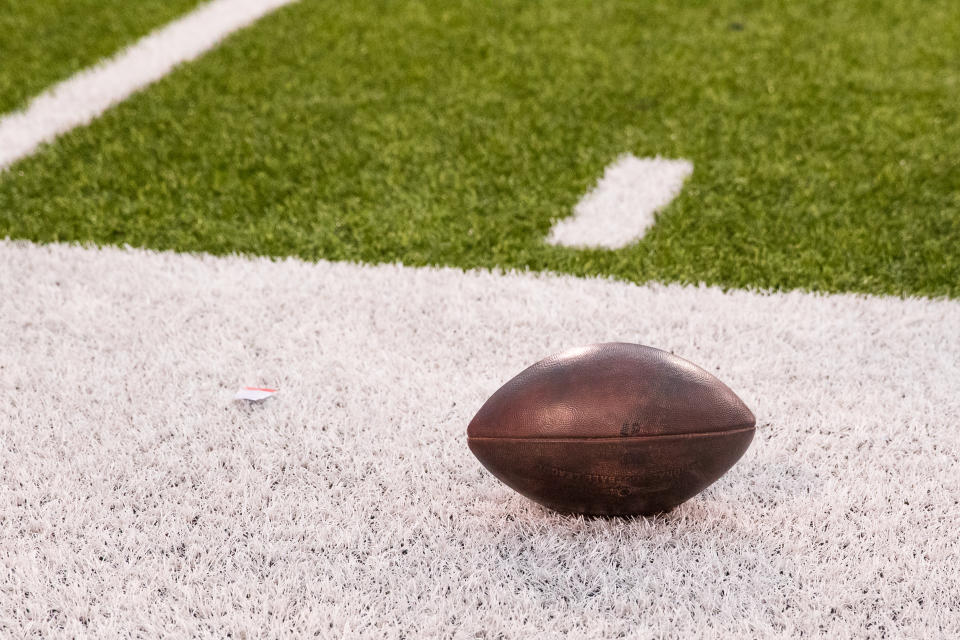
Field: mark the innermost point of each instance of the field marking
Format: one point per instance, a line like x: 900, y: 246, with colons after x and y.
x: 86, y: 95
x: 620, y: 209
x: 363, y: 455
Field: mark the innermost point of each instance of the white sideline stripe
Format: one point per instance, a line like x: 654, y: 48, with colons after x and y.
x: 323, y: 510
x: 86, y: 95
x: 621, y: 208
x: 327, y: 509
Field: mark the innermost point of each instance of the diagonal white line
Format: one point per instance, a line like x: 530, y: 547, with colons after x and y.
x: 83, y: 97
x: 621, y: 207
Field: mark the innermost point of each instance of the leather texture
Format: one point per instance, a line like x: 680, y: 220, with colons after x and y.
x: 611, y: 429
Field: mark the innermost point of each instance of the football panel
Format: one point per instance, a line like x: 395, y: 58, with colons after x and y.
x: 612, y: 476
x: 607, y: 390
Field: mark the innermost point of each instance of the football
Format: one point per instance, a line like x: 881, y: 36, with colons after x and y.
x: 611, y: 429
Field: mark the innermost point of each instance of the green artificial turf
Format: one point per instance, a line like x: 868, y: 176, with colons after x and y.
x: 823, y: 135
x: 44, y: 41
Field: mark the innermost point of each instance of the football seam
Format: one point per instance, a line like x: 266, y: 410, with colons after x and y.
x: 616, y: 437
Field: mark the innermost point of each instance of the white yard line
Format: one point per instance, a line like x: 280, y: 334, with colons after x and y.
x: 621, y: 207
x: 349, y: 505
x: 83, y: 97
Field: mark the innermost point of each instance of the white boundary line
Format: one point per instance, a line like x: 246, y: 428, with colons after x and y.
x: 117, y: 373
x: 84, y: 96
x: 621, y: 207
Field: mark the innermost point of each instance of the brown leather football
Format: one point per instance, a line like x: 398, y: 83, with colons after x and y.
x: 611, y: 429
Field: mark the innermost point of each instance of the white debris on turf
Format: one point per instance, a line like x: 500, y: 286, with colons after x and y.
x: 254, y: 394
